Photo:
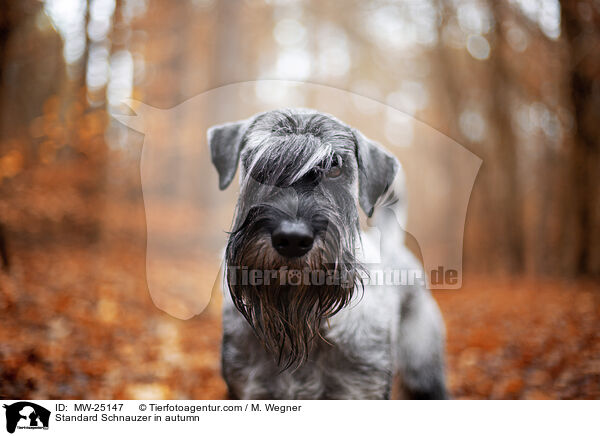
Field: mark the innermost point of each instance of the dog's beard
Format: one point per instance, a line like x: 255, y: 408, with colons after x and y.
x: 287, y: 314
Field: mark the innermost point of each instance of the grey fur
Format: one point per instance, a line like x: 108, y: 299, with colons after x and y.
x: 225, y: 142
x: 376, y: 168
x: 321, y: 341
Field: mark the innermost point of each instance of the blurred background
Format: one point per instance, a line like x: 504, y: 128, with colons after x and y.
x: 515, y: 82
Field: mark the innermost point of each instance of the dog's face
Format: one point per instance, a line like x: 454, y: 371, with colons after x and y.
x: 303, y: 175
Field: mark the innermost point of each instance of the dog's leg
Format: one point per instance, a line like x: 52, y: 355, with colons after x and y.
x: 421, y: 338
x: 421, y: 333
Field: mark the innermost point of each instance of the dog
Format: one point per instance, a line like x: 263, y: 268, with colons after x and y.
x: 300, y: 318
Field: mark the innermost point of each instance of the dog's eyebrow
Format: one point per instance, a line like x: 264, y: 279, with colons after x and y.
x: 314, y: 160
x: 335, y: 157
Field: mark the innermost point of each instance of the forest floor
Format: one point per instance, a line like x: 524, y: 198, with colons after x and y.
x: 78, y: 322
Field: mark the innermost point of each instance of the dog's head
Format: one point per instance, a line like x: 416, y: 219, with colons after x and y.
x: 291, y: 253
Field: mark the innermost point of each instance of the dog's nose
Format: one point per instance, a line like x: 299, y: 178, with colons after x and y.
x: 292, y: 238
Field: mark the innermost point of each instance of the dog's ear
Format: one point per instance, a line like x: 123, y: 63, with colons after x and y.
x: 225, y: 142
x: 376, y: 171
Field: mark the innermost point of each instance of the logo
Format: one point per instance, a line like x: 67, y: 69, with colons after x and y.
x: 171, y: 158
x: 26, y: 415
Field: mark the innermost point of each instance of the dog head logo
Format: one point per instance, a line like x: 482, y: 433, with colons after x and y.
x: 26, y: 415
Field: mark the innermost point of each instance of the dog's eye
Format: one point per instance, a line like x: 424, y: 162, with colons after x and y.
x: 335, y: 170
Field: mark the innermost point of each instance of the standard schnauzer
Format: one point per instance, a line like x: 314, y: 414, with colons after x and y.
x: 300, y: 319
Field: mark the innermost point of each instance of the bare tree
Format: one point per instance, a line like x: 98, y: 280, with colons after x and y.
x: 580, y: 22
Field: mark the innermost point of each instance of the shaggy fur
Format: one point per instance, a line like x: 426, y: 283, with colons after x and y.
x: 313, y: 337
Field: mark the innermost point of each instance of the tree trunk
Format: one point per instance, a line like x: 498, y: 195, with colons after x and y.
x: 580, y: 32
